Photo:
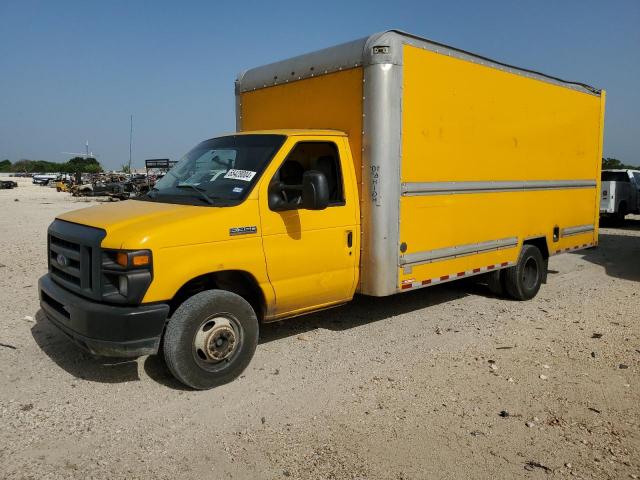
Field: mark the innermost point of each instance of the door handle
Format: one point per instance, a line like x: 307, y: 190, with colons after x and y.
x: 349, y: 238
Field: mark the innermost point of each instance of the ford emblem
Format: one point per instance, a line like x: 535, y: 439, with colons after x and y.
x: 62, y: 260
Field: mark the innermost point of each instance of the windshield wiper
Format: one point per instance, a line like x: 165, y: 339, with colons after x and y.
x: 199, y: 190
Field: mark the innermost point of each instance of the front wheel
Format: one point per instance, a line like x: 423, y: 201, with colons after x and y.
x: 210, y: 339
x: 523, y: 281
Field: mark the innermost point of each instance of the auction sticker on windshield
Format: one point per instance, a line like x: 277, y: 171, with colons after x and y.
x: 244, y: 175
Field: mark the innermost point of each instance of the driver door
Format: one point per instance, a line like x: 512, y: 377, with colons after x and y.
x: 311, y: 255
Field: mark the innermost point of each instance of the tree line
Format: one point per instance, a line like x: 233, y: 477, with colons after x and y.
x: 91, y: 165
x: 73, y: 165
x: 614, y: 163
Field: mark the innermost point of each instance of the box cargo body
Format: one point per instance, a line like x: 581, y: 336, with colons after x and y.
x: 460, y: 159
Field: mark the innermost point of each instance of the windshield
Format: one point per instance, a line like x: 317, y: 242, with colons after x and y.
x: 220, y: 171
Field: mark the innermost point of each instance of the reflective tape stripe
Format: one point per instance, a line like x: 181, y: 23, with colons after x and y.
x: 444, y: 188
x: 410, y: 284
x: 428, y: 256
x: 576, y: 247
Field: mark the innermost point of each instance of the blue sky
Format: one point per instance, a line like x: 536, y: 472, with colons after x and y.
x: 75, y: 71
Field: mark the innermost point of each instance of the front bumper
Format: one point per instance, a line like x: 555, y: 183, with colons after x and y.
x: 101, y: 329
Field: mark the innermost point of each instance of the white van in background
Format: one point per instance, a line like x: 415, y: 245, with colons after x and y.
x: 620, y: 193
x: 44, y: 178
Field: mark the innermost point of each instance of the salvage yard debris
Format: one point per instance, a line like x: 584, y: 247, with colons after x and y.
x: 115, y: 185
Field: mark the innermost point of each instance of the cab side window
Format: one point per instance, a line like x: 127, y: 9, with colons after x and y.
x: 322, y: 157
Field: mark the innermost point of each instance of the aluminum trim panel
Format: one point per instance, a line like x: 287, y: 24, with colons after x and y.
x: 238, y: 108
x: 429, y: 256
x: 360, y: 53
x: 381, y: 156
x: 445, y: 188
x: 321, y: 62
x: 578, y: 229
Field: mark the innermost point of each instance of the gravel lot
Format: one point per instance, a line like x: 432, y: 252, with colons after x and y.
x: 408, y: 387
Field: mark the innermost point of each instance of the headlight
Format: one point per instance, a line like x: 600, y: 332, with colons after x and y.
x: 126, y: 275
x: 138, y: 258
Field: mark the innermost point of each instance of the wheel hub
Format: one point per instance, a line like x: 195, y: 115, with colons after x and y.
x: 216, y: 340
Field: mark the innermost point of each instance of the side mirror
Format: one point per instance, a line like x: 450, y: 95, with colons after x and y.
x: 315, y: 190
x: 276, y: 201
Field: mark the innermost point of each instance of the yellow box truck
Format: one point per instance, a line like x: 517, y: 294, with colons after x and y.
x: 378, y: 166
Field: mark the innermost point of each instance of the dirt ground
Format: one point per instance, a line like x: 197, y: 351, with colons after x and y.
x: 407, y: 387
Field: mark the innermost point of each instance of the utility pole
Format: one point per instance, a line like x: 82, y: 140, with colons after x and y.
x: 130, y: 140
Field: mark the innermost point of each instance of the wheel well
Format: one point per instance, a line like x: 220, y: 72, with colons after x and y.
x: 236, y: 281
x: 541, y: 243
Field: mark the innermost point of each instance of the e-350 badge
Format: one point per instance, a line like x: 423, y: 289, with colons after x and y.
x: 243, y: 230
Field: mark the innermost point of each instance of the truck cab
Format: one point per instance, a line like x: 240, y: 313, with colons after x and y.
x: 248, y: 227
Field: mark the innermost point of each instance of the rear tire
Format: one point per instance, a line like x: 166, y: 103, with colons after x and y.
x: 621, y: 213
x: 210, y: 339
x: 523, y: 281
x: 495, y: 282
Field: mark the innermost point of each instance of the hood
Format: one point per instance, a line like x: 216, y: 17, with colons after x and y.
x: 136, y: 224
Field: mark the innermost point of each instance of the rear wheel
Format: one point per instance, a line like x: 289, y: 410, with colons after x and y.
x: 621, y: 213
x: 523, y: 281
x: 495, y: 282
x: 210, y: 339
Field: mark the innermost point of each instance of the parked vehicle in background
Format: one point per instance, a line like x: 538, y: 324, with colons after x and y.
x: 44, y: 178
x: 620, y: 193
x: 63, y: 186
x: 439, y: 165
x: 7, y: 184
x: 112, y: 185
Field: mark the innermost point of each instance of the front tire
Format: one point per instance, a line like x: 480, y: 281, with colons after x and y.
x: 210, y: 339
x: 523, y: 281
